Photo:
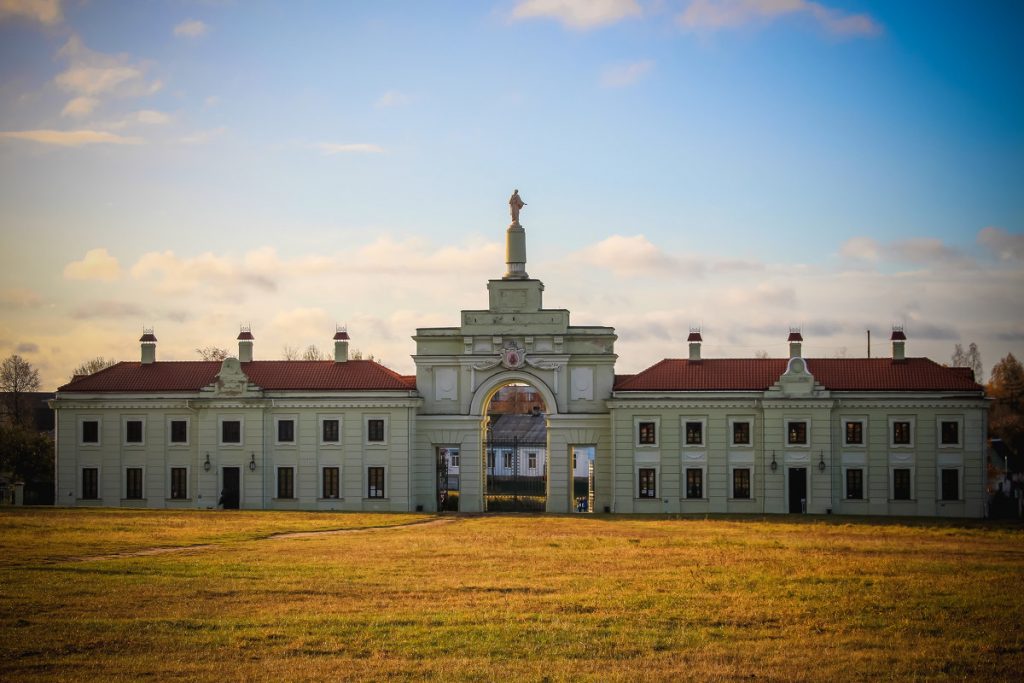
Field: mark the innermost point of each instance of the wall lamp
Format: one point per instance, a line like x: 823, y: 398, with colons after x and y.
x: 821, y: 461
x: 774, y: 464
x: 252, y: 462
x: 206, y: 465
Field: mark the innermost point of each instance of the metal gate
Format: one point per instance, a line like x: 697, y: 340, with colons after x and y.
x: 517, y: 478
x: 447, y: 480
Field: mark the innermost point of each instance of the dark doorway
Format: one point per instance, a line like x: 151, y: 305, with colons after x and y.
x: 798, y: 489
x: 231, y: 493
x: 448, y: 461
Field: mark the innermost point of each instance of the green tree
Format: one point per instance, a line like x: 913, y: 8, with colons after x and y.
x: 17, y: 378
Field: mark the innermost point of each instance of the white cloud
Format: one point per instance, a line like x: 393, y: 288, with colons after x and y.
x: 70, y: 138
x: 79, y: 106
x: 220, y: 275
x: 861, y: 249
x: 929, y: 251
x: 44, y: 11
x: 97, y: 264
x: 578, y: 14
x: 632, y: 256
x: 202, y: 137
x: 92, y: 73
x: 712, y: 15
x: 625, y: 74
x: 151, y: 117
x: 392, y: 98
x: 19, y: 297
x: 193, y: 28
x: 1005, y: 245
x: 332, y: 148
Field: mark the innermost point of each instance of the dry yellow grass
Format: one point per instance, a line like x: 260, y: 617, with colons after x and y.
x: 526, y: 597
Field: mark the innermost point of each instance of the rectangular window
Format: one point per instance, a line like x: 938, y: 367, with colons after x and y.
x: 741, y: 483
x: 647, y: 434
x: 179, y: 483
x: 796, y: 433
x: 901, y: 484
x: 374, y: 482
x: 855, y: 483
x: 950, y: 433
x: 90, y: 431
x: 951, y: 484
x: 179, y: 431
x: 694, y: 433
x: 286, y: 431
x: 90, y: 483
x: 133, y: 483
x: 506, y: 460
x: 901, y: 433
x: 648, y: 483
x: 375, y: 431
x: 133, y: 431
x: 694, y: 482
x: 332, y: 481
x: 231, y: 431
x: 854, y: 433
x: 531, y: 460
x: 453, y: 455
x: 331, y: 432
x: 741, y: 433
x: 285, y: 482
x: 490, y: 459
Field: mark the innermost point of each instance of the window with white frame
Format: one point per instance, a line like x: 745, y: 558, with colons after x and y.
x: 647, y: 481
x: 901, y: 432
x: 694, y: 466
x: 177, y: 430
x: 330, y: 430
x: 855, y: 472
x: 89, y: 431
x: 902, y: 483
x: 694, y: 482
x: 230, y: 431
x: 741, y: 483
x: 284, y: 431
x: 740, y: 431
x: 134, y: 428
x: 376, y: 430
x: 330, y: 479
x: 178, y: 483
x: 646, y: 429
x: 741, y: 475
x: 951, y: 429
x: 133, y: 483
x: 693, y: 431
x: 854, y: 431
x: 797, y: 432
x: 285, y: 483
x: 375, y: 482
x: 506, y: 460
x: 89, y: 479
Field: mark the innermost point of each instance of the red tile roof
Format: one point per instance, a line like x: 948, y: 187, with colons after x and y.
x: 836, y: 374
x: 273, y: 375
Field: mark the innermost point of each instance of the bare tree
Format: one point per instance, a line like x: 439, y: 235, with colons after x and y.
x: 760, y: 354
x: 313, y: 353
x: 93, y: 365
x: 968, y: 359
x: 17, y: 377
x: 212, y: 353
x: 289, y: 352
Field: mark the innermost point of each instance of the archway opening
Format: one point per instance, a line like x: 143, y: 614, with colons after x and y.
x: 516, y: 450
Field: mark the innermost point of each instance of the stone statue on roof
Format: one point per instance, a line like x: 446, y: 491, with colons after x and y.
x: 515, y: 203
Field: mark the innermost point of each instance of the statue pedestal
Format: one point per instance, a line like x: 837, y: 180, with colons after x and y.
x: 515, y: 252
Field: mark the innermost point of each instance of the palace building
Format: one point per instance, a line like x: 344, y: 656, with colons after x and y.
x: 860, y: 436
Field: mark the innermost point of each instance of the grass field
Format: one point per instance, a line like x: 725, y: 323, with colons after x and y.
x: 84, y: 595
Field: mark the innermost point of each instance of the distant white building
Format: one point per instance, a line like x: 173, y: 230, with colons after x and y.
x: 877, y: 436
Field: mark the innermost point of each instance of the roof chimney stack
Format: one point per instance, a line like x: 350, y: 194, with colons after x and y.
x: 341, y: 345
x: 245, y: 340
x: 148, y: 341
x: 795, y: 343
x: 899, y: 341
x: 694, y: 339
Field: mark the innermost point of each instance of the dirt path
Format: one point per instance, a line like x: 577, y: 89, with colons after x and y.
x: 286, y: 535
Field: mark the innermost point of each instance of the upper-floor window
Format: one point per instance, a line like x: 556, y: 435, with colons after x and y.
x: 179, y: 431
x: 854, y: 433
x: 375, y: 430
x: 647, y: 434
x: 741, y: 433
x: 796, y: 433
x: 286, y: 431
x: 231, y: 431
x: 330, y: 430
x: 694, y: 433
x: 133, y: 431
x: 90, y: 431
x: 949, y: 432
x: 901, y: 432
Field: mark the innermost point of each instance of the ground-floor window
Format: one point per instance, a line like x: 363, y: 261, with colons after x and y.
x: 374, y: 482
x: 694, y: 482
x: 531, y: 460
x: 741, y: 483
x: 855, y: 483
x: 648, y: 482
x: 332, y: 481
x: 133, y: 483
x: 951, y: 484
x: 179, y: 483
x: 901, y: 483
x: 90, y: 483
x: 506, y: 460
x: 285, y: 482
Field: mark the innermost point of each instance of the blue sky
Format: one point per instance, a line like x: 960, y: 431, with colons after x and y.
x: 742, y: 165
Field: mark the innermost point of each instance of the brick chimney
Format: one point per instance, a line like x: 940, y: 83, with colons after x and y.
x: 245, y: 340
x: 148, y: 341
x: 341, y: 345
x: 694, y: 340
x: 899, y: 341
x: 795, y: 342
